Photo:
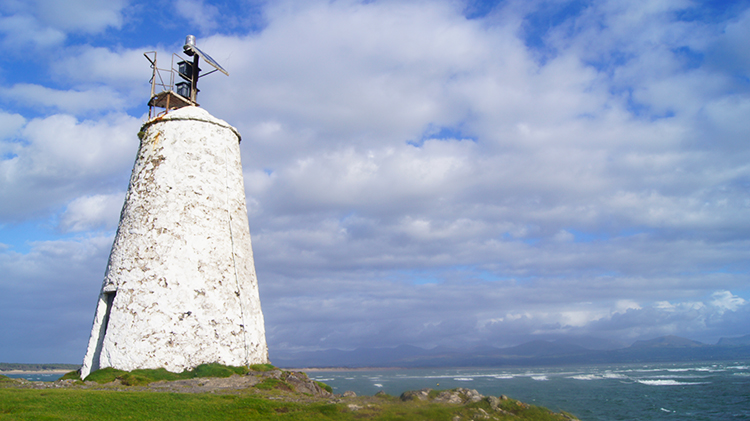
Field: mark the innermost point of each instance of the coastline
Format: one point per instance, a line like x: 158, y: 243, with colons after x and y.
x: 316, y: 369
x: 58, y: 371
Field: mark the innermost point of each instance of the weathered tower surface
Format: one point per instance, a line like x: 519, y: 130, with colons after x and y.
x: 180, y: 288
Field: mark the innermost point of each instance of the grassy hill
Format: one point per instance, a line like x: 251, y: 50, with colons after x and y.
x: 270, y: 394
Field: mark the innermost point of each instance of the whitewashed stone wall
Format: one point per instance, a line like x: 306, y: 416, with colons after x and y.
x: 180, y: 288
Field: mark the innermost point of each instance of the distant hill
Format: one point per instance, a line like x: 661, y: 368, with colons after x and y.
x: 37, y: 367
x: 741, y: 341
x: 668, y: 342
x: 539, y: 353
x: 592, y: 343
x: 541, y: 349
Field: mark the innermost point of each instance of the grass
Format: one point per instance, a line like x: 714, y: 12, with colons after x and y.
x: 272, y: 384
x: 262, y: 367
x: 94, y: 405
x: 271, y: 399
x: 324, y: 386
x: 144, y: 377
x: 20, y: 404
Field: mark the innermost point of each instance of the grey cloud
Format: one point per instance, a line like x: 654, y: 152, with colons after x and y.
x: 47, y: 298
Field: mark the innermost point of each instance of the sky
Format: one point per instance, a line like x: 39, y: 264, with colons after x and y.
x: 434, y: 173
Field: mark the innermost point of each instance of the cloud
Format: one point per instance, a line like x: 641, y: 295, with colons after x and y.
x: 725, y: 300
x: 417, y: 176
x: 89, y: 16
x: 198, y: 13
x: 20, y: 31
x: 70, y: 101
x: 58, y: 158
x: 10, y: 124
x: 46, y: 23
x: 576, y: 169
x: 47, y: 298
x: 92, y: 212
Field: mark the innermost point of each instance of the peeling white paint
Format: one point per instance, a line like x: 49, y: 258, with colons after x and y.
x: 181, y: 275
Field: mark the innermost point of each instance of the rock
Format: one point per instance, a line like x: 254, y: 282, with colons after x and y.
x: 412, y: 395
x: 472, y: 395
x: 381, y: 394
x: 302, y: 384
x: 494, y: 402
x: 349, y: 394
x: 353, y: 407
x: 459, y: 396
x: 481, y: 414
x: 449, y: 397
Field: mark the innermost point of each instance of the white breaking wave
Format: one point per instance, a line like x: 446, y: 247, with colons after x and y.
x: 464, y: 379
x: 667, y: 383
x: 680, y: 376
x: 377, y: 385
x: 540, y: 378
x: 585, y: 377
x: 602, y: 376
x: 609, y: 375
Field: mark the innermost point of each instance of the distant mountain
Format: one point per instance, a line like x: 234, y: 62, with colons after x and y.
x: 592, y: 343
x: 541, y: 349
x: 668, y: 342
x: 539, y: 353
x: 741, y: 341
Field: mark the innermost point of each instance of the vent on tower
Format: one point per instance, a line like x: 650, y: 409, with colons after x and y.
x: 173, y: 95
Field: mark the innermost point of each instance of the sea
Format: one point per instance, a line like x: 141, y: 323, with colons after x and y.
x: 664, y: 391
x: 656, y: 391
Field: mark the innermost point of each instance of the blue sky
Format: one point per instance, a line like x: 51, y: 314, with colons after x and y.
x: 430, y: 173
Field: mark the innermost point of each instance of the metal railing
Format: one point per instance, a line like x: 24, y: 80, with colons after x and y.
x: 163, y: 93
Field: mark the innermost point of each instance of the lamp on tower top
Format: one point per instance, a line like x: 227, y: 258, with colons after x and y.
x: 185, y: 92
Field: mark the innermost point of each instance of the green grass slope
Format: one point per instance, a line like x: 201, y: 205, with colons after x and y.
x: 271, y: 396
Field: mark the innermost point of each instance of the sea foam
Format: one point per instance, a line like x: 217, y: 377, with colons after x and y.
x: 667, y: 383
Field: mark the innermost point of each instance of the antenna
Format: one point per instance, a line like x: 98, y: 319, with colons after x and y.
x: 178, y: 95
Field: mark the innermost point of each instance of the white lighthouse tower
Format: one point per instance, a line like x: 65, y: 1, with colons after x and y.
x: 180, y: 287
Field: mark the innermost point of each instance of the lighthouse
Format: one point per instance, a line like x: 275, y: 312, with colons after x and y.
x: 180, y: 287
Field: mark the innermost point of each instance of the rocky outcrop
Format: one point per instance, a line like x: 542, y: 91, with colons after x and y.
x: 416, y: 395
x: 499, y: 405
x: 300, y: 383
x: 459, y: 396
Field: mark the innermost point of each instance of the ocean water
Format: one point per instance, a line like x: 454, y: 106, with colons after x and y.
x: 664, y: 391
x: 36, y: 377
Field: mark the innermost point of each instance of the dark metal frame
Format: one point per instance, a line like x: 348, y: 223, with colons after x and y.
x: 168, y: 98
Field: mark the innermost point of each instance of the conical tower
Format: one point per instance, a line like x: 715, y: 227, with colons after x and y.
x: 180, y: 287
